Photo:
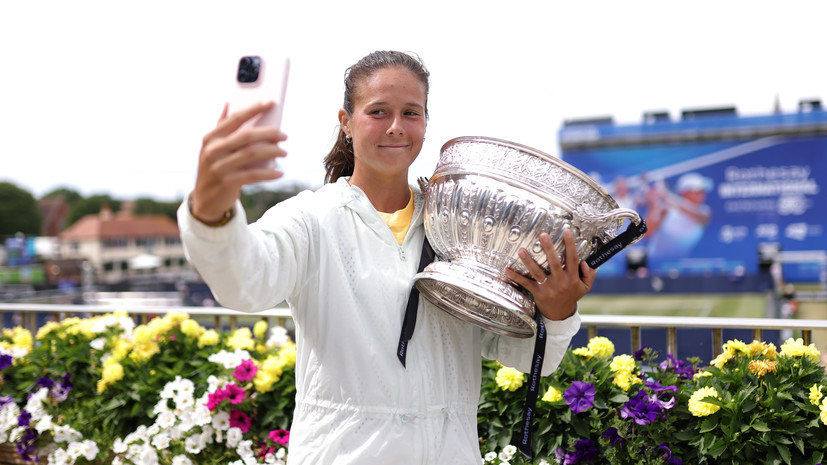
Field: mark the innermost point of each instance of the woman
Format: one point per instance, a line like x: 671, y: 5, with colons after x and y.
x: 344, y: 258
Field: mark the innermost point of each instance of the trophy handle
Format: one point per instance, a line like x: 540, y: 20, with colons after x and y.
x: 633, y: 233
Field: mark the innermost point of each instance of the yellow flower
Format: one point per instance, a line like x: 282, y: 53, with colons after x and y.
x: 264, y: 381
x: 823, y: 410
x: 209, y: 338
x: 700, y: 408
x: 796, y: 348
x: 583, y: 352
x: 552, y: 395
x: 288, y: 354
x: 815, y: 394
x: 47, y: 328
x: 509, y: 379
x: 738, y: 347
x: 761, y: 367
x: 22, y: 338
x: 701, y: 374
x: 622, y: 363
x: 260, y: 329
x: 143, y: 352
x: 273, y: 365
x: 143, y: 335
x: 242, y: 338
x: 191, y: 328
x: 625, y: 379
x: 762, y: 348
x: 722, y: 359
x: 601, y: 347
x: 121, y: 349
x: 112, y: 372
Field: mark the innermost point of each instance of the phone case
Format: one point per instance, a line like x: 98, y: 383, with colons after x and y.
x: 271, y: 85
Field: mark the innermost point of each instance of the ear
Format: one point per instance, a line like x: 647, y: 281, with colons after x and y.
x: 344, y: 121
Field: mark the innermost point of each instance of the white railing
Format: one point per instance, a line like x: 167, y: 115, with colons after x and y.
x: 281, y: 314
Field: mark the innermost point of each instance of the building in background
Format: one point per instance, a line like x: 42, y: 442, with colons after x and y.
x: 125, y: 247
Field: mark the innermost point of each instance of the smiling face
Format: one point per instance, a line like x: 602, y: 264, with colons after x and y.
x: 387, y: 124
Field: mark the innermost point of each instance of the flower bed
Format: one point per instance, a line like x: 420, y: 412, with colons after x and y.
x: 102, y: 391
x: 753, y: 404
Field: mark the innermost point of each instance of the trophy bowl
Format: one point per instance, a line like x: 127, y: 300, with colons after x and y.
x: 487, y: 199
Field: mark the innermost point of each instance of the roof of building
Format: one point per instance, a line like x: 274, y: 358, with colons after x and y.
x: 123, y: 224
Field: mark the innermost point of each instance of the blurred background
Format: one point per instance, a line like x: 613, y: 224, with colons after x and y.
x: 706, y: 118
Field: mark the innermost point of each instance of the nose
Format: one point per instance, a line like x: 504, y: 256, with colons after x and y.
x: 395, y: 127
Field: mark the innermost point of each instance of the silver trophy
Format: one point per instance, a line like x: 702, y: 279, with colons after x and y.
x: 486, y: 200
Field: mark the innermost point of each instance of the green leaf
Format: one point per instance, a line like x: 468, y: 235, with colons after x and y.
x: 784, y: 451
x: 760, y: 426
x: 718, y: 448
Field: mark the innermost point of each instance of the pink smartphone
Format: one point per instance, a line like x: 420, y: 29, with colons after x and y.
x: 261, y: 78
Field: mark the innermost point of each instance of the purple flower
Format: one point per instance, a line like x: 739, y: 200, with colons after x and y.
x: 6, y: 361
x: 24, y: 418
x: 585, y: 451
x: 640, y: 409
x: 579, y: 396
x: 656, y: 387
x: 44, y: 382
x: 640, y: 353
x: 614, y: 437
x: 667, y: 454
x: 680, y: 367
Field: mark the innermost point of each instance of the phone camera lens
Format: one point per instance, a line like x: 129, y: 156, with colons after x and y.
x: 248, y: 69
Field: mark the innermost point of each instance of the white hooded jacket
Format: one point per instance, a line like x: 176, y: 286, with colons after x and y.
x: 334, y: 260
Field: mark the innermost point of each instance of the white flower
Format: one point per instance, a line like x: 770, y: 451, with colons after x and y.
x: 543, y: 462
x: 98, y: 344
x: 119, y: 446
x: 66, y: 434
x: 44, y: 424
x: 201, y: 415
x: 234, y: 436
x: 193, y: 444
x: 147, y: 456
x: 281, y: 453
x: 59, y: 457
x: 161, y: 407
x: 278, y: 337
x: 184, y: 401
x: 187, y: 421
x: 74, y: 450
x: 245, y: 449
x: 160, y: 441
x: 181, y: 460
x: 221, y: 421
x: 166, y: 420
x: 504, y: 457
x: 510, y: 450
x: 489, y: 457
x: 89, y: 449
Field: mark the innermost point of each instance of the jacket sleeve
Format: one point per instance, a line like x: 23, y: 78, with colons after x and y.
x: 246, y: 268
x: 517, y: 353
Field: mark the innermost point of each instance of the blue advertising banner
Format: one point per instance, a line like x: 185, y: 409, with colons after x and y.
x: 712, y: 204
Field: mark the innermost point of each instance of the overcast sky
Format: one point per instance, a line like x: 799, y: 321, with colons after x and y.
x: 103, y: 97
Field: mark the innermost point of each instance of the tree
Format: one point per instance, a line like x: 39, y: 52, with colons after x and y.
x: 89, y: 206
x: 71, y: 196
x: 18, y: 211
x: 147, y: 206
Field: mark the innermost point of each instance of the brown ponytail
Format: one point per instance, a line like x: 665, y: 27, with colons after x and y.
x: 340, y: 161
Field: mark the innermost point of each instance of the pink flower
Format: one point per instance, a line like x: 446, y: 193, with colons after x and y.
x: 246, y: 371
x: 240, y: 420
x: 215, y: 398
x: 235, y: 393
x: 280, y: 436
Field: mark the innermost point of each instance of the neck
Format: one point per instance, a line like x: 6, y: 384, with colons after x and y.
x: 386, y: 195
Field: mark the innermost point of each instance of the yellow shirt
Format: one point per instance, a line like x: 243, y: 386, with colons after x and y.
x: 400, y: 220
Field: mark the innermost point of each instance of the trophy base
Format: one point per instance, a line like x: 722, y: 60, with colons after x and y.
x: 478, y: 295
